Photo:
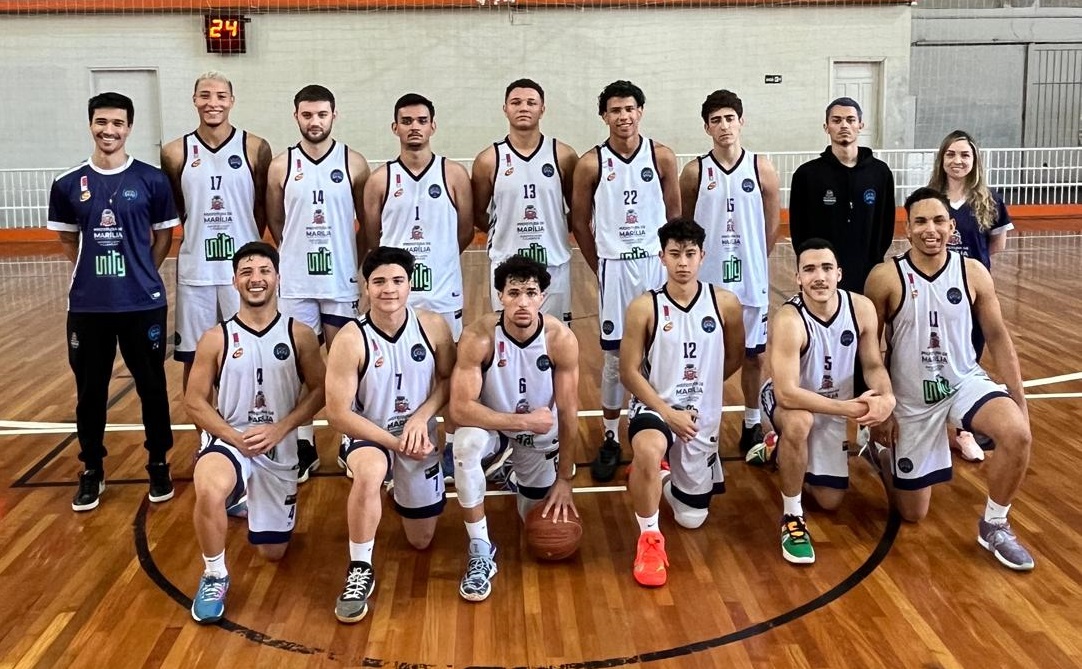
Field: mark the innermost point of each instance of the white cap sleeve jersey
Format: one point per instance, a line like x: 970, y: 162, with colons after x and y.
x: 628, y: 204
x: 219, y: 194
x: 930, y: 335
x: 519, y: 380
x: 685, y: 356
x: 730, y: 209
x: 260, y: 381
x: 527, y: 215
x: 398, y: 374
x: 828, y: 361
x: 319, y: 243
x: 419, y: 216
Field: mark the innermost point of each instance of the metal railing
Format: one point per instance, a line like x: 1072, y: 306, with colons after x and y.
x: 1023, y: 176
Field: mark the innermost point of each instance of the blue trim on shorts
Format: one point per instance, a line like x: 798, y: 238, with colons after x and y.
x: 530, y: 492
x: 752, y: 352
x: 357, y: 444
x: 647, y: 419
x: 183, y: 356
x: 238, y: 487
x: 825, y: 481
x: 420, y: 513
x: 265, y: 538
x: 939, y: 476
x: 967, y: 419
x: 700, y: 501
x: 334, y: 320
x: 610, y: 344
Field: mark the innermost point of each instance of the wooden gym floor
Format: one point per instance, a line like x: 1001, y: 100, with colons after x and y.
x: 110, y: 588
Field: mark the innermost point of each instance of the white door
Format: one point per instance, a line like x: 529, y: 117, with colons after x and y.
x: 145, y: 141
x: 861, y: 81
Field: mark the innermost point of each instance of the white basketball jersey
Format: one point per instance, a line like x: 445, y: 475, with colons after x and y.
x: 628, y: 205
x: 519, y: 380
x: 730, y: 209
x: 527, y: 215
x: 419, y: 216
x: 930, y: 335
x: 828, y: 361
x: 260, y: 381
x: 685, y: 357
x: 319, y: 243
x: 219, y: 196
x: 399, y: 370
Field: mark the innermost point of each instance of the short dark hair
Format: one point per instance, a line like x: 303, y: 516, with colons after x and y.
x: 926, y: 193
x: 410, y: 99
x: 524, y: 83
x: 620, y: 88
x: 313, y: 93
x: 681, y: 230
x: 845, y: 102
x: 110, y: 100
x: 815, y: 244
x: 255, y: 249
x: 521, y: 268
x: 387, y: 255
x: 722, y: 99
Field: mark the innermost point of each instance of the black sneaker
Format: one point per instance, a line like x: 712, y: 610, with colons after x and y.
x: 750, y: 436
x: 161, y: 484
x: 603, y: 468
x: 352, y: 604
x: 91, y: 486
x: 307, y: 460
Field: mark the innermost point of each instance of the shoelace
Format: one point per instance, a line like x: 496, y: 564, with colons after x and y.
x: 357, y: 583
x: 477, y: 570
x: 212, y: 589
x: 796, y: 531
x: 653, y: 549
x: 1001, y: 533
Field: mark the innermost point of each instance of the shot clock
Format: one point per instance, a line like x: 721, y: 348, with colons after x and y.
x: 225, y: 33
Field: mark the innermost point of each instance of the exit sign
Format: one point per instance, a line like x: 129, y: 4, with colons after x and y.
x: 772, y: 79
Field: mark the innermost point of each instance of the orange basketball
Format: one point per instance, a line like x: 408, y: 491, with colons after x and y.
x: 552, y: 541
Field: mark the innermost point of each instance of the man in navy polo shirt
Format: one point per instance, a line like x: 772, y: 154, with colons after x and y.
x: 114, y: 215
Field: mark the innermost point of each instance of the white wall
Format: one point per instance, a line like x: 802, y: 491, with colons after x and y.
x: 462, y: 60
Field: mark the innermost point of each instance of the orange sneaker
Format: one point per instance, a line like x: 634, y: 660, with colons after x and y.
x: 651, y: 560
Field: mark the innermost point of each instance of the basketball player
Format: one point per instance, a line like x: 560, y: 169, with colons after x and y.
x: 387, y: 377
x: 521, y: 193
x: 246, y: 391
x: 734, y: 195
x: 114, y: 216
x: 928, y: 300
x: 421, y: 202
x: 816, y: 338
x: 680, y: 343
x: 314, y: 194
x: 624, y: 190
x: 516, y: 380
x: 219, y: 179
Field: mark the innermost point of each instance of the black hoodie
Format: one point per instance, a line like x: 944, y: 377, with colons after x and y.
x: 851, y: 207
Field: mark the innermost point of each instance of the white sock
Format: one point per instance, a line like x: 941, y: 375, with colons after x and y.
x: 361, y: 552
x: 791, y: 506
x: 611, y: 425
x: 478, y: 530
x: 995, y: 513
x: 647, y: 524
x: 751, y: 417
x: 307, y: 433
x: 215, y: 566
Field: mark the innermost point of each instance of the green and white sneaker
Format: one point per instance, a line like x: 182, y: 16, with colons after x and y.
x: 796, y: 543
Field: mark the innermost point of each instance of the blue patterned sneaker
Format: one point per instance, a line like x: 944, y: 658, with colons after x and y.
x: 999, y: 539
x: 477, y: 583
x: 208, y: 605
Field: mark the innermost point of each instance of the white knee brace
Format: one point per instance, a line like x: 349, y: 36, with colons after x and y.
x: 470, y: 443
x: 686, y: 516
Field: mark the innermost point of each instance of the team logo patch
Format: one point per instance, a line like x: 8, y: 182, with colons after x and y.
x: 531, y: 213
x: 154, y: 333
x: 954, y: 296
x: 544, y: 363
x: 607, y: 327
x: 548, y: 170
x: 747, y: 185
x: 847, y: 338
x: 417, y: 233
x: 281, y: 351
x: 130, y: 194
x: 401, y: 404
x: 829, y: 199
x: 417, y: 353
x: 523, y: 406
x: 238, y: 353
x: 337, y: 176
x: 905, y: 465
x: 217, y: 203
x: 85, y: 196
x: 709, y: 324
x: 647, y: 174
x: 434, y: 191
x: 869, y: 196
x: 235, y: 161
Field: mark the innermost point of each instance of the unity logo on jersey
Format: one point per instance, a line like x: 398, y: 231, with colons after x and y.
x: 434, y: 191
x: 709, y: 324
x: 219, y: 248
x: 548, y: 170
x: 337, y: 176
x: 130, y: 194
x: 732, y: 270
x: 747, y: 185
x: 535, y: 252
x: 111, y: 264
x: 281, y: 351
x: 647, y: 174
x: 869, y: 196
x: 422, y: 277
x: 319, y: 262
x: 417, y: 353
x: 954, y: 296
x: 635, y: 253
x: 937, y: 390
x: 544, y: 363
x: 259, y: 414
x: 235, y: 162
x: 847, y: 338
x: 217, y: 203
